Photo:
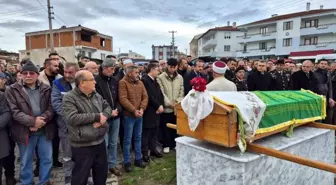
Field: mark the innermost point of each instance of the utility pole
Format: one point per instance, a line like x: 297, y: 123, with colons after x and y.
x: 50, y: 17
x: 173, y: 41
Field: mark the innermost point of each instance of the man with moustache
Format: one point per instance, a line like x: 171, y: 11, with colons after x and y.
x: 60, y: 87
x: 30, y: 105
x: 86, y: 113
x: 134, y: 99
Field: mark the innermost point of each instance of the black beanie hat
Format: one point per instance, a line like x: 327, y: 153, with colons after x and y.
x: 29, y: 66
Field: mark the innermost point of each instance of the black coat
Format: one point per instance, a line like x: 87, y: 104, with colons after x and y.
x: 155, y: 100
x: 281, y: 81
x: 182, y: 72
x: 187, y: 78
x: 301, y: 81
x: 260, y: 82
x: 107, y: 87
x: 5, y: 118
x: 324, y: 86
x: 229, y: 74
x: 120, y: 75
x: 241, y: 85
x: 333, y: 81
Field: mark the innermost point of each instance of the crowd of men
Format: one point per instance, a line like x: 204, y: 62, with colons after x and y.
x: 87, y: 108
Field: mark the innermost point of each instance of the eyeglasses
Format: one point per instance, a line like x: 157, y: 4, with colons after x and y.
x: 92, y: 79
x: 25, y: 73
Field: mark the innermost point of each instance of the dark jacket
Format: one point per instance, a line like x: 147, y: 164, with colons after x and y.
x: 301, y: 81
x: 187, y: 78
x: 155, y: 100
x: 60, y: 88
x: 107, y: 87
x: 259, y: 82
x: 229, y: 74
x: 241, y: 85
x: 182, y: 72
x: 282, y: 80
x: 5, y: 119
x: 19, y: 104
x: 80, y: 112
x: 333, y: 81
x: 324, y: 86
x: 120, y: 75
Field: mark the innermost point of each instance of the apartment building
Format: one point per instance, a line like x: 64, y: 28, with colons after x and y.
x: 164, y: 52
x: 193, y: 46
x: 69, y: 42
x: 131, y: 54
x: 219, y: 41
x: 299, y: 35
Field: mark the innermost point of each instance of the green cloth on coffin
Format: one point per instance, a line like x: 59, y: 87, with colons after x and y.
x: 285, y: 106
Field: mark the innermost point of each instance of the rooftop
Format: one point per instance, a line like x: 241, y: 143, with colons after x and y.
x: 64, y: 28
x: 291, y: 15
x: 223, y: 28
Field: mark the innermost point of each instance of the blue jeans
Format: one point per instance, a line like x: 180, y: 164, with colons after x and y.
x: 132, y: 126
x: 44, y: 149
x: 111, y: 140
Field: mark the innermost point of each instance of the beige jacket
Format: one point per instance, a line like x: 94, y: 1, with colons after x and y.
x: 44, y: 79
x: 221, y: 84
x: 172, y: 90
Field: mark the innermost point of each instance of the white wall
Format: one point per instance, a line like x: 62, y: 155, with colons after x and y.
x: 37, y: 56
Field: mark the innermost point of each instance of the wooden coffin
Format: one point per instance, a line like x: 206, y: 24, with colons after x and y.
x: 220, y: 127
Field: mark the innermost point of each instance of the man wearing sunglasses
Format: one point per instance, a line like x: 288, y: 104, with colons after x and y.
x: 30, y: 105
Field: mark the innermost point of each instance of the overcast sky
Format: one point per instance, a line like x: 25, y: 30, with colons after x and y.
x: 137, y: 24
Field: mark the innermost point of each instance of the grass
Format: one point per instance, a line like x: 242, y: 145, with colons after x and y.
x: 159, y: 172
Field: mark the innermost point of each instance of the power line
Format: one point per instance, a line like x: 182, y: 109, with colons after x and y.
x: 16, y: 16
x: 20, y: 11
x: 53, y: 13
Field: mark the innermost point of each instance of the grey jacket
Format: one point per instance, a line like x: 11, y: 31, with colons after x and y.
x: 5, y: 118
x: 80, y: 112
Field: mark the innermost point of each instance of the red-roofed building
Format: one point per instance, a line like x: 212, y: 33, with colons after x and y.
x: 219, y: 41
x: 308, y: 32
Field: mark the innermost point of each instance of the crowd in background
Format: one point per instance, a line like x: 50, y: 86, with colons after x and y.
x: 89, y: 108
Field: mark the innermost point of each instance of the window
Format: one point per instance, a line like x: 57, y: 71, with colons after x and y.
x: 102, y: 42
x: 102, y: 56
x: 311, y: 23
x: 227, y: 35
x: 160, y: 57
x: 287, y: 42
x: 85, y: 37
x: 245, y: 47
x: 288, y: 25
x: 160, y: 49
x: 262, y: 45
x: 89, y: 54
x: 263, y: 30
x: 82, y: 53
x: 311, y: 41
x: 227, y: 48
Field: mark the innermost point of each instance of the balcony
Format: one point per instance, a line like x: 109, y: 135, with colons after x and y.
x: 209, y: 44
x: 318, y: 46
x: 256, y: 52
x: 257, y: 37
x: 86, y: 44
x: 320, y: 29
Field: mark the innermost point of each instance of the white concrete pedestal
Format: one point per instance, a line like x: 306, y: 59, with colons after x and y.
x: 203, y: 163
